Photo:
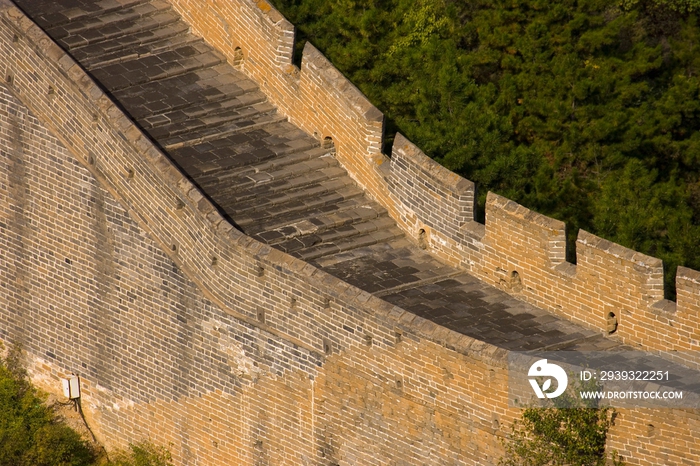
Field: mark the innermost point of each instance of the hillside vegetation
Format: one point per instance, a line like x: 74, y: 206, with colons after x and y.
x: 587, y: 111
x: 33, y: 433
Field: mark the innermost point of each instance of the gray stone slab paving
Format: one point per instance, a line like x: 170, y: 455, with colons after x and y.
x: 270, y: 178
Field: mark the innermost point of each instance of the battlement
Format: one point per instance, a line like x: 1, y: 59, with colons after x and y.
x: 610, y: 286
x: 184, y: 328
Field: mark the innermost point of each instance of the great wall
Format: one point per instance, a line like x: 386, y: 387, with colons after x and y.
x: 212, y: 239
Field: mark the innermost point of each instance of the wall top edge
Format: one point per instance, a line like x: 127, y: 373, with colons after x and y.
x: 404, y: 147
x: 616, y: 250
x: 684, y: 273
x: 313, y: 57
x: 12, y: 11
x: 273, y: 15
x: 494, y: 200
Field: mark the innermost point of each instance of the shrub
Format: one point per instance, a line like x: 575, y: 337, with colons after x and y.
x: 31, y: 434
x: 143, y: 453
x: 567, y: 432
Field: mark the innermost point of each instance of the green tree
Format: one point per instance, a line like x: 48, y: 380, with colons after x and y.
x: 559, y: 437
x: 673, y: 5
x: 545, y: 102
x: 567, y: 432
x: 143, y: 453
x: 31, y: 433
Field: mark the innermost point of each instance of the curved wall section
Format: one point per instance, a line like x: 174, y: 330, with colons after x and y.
x: 255, y: 358
x: 107, y: 270
x: 435, y: 206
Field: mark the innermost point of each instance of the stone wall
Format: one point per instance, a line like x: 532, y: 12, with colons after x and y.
x: 257, y: 358
x: 524, y: 253
x: 114, y: 266
x: 435, y: 206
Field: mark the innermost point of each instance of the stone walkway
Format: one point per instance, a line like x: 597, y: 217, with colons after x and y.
x: 273, y: 181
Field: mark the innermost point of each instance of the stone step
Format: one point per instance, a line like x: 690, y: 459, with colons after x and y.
x: 149, y: 48
x: 188, y: 94
x: 302, y: 152
x: 264, y: 204
x: 54, y: 13
x: 250, y: 147
x: 218, y: 133
x: 256, y: 214
x: 93, y: 30
x: 315, y: 213
x: 87, y: 54
x: 248, y: 180
x: 359, y: 234
x: 327, y: 248
x: 237, y: 99
x: 315, y: 221
x: 213, y: 120
x: 296, y: 210
x: 164, y: 65
x: 265, y: 186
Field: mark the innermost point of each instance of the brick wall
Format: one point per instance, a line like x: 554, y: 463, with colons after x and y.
x: 107, y: 270
x: 317, y: 97
x: 100, y: 298
x: 429, y: 193
x: 429, y: 201
x: 257, y: 358
x: 517, y: 242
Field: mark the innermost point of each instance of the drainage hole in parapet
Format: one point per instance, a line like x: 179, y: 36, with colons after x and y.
x: 329, y: 145
x: 422, y: 239
x: 611, y: 323
x: 237, y: 57
x: 515, y: 282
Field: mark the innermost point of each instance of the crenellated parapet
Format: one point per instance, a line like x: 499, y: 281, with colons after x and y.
x: 186, y: 329
x: 610, y: 288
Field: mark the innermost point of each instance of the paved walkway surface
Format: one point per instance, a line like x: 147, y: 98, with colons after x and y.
x: 273, y: 181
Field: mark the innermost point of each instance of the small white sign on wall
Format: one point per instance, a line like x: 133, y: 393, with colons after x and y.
x: 71, y: 387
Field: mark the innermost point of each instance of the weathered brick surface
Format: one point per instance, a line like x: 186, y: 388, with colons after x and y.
x: 317, y: 98
x: 106, y: 259
x: 132, y: 314
x: 430, y: 192
x: 86, y: 290
x: 320, y: 100
x: 607, y: 278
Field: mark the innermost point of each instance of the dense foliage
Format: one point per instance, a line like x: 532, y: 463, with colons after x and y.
x: 32, y: 434
x: 569, y: 431
x: 560, y: 437
x: 587, y: 111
